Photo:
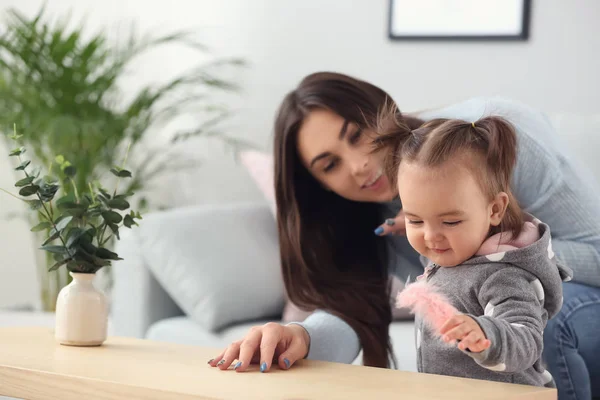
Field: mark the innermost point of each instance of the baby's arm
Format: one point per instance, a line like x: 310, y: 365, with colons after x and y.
x: 513, y: 321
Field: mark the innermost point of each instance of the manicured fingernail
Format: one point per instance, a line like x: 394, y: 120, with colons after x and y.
x: 263, y: 367
x: 390, y: 222
x: 237, y: 365
x: 379, y: 231
x: 287, y: 363
x: 211, y: 360
x: 221, y: 362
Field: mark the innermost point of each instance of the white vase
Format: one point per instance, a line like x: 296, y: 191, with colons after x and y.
x: 81, y: 313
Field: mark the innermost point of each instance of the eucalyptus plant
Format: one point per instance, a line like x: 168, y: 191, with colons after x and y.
x: 80, y: 224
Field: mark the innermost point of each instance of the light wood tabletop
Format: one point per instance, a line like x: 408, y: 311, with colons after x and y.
x: 33, y: 366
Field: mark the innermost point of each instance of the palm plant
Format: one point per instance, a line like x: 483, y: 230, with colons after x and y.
x: 60, y: 87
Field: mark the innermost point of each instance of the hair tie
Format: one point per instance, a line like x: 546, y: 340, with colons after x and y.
x: 473, y: 124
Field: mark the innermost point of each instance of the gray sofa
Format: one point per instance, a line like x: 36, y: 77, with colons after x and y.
x: 204, y: 275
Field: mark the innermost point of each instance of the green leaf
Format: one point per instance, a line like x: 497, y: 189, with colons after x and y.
x: 67, y: 198
x: 17, y: 152
x: 59, y: 264
x: 112, y: 217
x: 50, y: 179
x: 35, y: 172
x: 90, y: 234
x: 53, y: 236
x: 34, y: 204
x: 70, y: 171
x: 128, y: 221
x: 47, y: 191
x: 73, y: 236
x: 41, y: 226
x: 54, y: 249
x: 75, y: 266
x: 71, y: 206
x: 143, y: 203
x: 23, y: 165
x: 107, y: 254
x: 66, y: 205
x: 94, y: 212
x: 115, y: 229
x: 62, y: 224
x: 121, y: 173
x: 24, y: 181
x: 119, y: 204
x: 76, y: 212
x: 104, y: 193
x: 88, y: 247
x: 82, y: 255
x: 29, y: 190
x: 124, y: 195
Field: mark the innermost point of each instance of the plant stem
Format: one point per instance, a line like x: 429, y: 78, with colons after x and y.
x: 122, y: 167
x: 105, y: 241
x: 51, y: 210
x: 92, y: 192
x: 48, y: 214
x: 101, y: 236
x: 74, y: 189
x: 15, y: 196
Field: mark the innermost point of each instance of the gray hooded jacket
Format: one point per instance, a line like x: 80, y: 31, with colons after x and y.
x: 511, y: 295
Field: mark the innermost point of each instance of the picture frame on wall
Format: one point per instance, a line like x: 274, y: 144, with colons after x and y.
x: 459, y: 20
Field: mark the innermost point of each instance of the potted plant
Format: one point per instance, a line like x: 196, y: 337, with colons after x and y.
x: 62, y: 85
x: 80, y: 225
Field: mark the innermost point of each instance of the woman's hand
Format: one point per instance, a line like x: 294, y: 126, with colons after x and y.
x: 467, y: 332
x: 393, y: 226
x: 266, y: 344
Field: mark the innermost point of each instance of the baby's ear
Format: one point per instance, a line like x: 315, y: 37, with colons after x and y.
x: 498, y: 208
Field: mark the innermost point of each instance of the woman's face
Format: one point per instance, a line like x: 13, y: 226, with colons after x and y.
x: 337, y: 153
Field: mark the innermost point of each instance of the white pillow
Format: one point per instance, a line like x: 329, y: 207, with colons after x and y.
x: 219, y: 264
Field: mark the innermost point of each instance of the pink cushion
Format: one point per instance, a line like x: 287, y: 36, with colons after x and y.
x: 260, y: 167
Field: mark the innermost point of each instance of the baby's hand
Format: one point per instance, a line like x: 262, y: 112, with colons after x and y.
x: 467, y: 331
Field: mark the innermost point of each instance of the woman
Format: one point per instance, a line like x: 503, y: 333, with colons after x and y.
x: 331, y: 194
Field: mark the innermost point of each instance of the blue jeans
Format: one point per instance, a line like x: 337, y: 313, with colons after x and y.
x: 572, y: 343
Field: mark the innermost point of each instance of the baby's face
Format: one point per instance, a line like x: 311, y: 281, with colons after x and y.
x: 447, y: 214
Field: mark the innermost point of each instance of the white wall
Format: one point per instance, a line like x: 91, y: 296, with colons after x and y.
x: 556, y: 71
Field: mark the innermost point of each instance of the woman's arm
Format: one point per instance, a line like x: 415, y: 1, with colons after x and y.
x: 554, y: 189
x: 331, y: 339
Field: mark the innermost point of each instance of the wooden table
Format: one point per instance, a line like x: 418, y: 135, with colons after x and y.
x: 33, y: 366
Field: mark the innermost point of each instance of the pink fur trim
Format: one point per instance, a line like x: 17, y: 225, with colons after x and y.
x: 426, y: 302
x: 504, y: 241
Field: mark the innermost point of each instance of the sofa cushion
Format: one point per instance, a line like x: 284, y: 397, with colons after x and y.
x: 184, y: 330
x: 219, y: 264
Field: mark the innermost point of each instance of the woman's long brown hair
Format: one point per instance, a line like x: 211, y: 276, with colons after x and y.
x: 330, y: 257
